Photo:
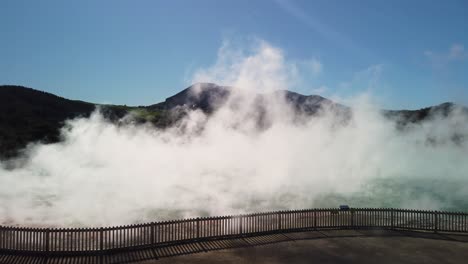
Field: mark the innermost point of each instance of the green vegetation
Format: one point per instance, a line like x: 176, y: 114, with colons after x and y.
x: 146, y: 115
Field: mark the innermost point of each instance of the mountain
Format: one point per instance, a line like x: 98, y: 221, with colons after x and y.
x: 204, y: 96
x: 28, y: 115
x: 413, y: 116
x: 209, y: 96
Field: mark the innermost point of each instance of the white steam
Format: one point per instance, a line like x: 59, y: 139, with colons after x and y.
x: 105, y: 174
x: 262, y: 68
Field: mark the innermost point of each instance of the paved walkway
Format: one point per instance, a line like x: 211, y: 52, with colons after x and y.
x: 352, y: 249
x: 346, y: 246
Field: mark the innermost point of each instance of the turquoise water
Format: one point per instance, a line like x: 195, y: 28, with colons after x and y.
x: 430, y: 194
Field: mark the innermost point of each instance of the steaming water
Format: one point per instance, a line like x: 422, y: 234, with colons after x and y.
x: 104, y: 174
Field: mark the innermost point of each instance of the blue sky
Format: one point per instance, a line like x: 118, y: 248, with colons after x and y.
x: 408, y: 54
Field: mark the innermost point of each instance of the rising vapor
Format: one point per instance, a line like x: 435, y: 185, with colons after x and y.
x: 105, y: 173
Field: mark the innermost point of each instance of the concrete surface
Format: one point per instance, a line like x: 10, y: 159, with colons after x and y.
x: 350, y: 247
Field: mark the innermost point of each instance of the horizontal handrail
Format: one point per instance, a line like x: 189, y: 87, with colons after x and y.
x: 51, y: 241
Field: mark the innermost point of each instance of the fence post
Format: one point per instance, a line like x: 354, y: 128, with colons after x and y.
x: 279, y: 222
x: 315, y: 219
x: 47, y: 241
x: 101, y: 245
x: 101, y: 239
x: 436, y: 221
x: 152, y: 227
x: 392, y: 220
x: 240, y: 224
x: 198, y: 227
x: 352, y: 218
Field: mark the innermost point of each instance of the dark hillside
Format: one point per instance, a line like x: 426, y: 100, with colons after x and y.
x: 404, y: 117
x: 204, y: 96
x: 28, y: 115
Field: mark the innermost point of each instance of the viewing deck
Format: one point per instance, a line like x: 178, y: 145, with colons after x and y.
x: 159, y: 239
x: 327, y: 246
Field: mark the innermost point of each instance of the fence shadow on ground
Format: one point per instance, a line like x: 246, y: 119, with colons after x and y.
x: 220, y: 244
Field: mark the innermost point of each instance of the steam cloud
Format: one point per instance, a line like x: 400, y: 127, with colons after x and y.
x: 106, y: 174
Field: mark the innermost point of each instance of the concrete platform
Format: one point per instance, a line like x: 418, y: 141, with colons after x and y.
x: 342, y: 247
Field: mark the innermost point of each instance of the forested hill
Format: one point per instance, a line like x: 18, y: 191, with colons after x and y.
x: 28, y: 115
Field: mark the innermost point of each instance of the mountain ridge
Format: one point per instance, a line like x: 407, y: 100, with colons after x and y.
x: 28, y: 115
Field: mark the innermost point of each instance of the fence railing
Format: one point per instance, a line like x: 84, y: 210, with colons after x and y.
x: 57, y: 241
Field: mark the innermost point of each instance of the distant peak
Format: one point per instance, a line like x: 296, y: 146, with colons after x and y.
x: 447, y: 104
x: 291, y: 93
x: 204, y: 84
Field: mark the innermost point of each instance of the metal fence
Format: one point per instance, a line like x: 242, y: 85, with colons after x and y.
x: 79, y: 241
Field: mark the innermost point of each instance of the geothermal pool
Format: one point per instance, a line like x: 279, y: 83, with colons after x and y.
x: 106, y: 174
